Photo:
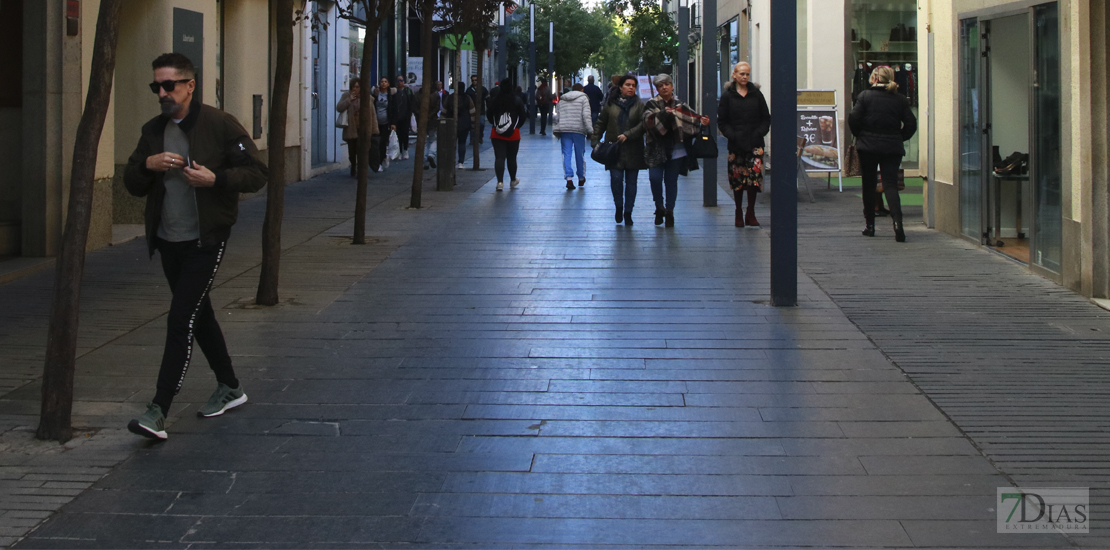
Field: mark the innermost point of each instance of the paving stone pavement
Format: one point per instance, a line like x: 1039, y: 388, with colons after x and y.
x: 512, y: 369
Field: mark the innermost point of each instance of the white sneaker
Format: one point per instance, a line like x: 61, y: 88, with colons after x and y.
x: 461, y: 165
x: 514, y: 183
x: 405, y: 155
x: 500, y: 185
x: 381, y: 169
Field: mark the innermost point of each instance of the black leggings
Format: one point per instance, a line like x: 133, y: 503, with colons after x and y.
x: 503, y: 150
x: 383, y: 141
x: 403, y: 135
x: 870, y: 164
x: 190, y: 270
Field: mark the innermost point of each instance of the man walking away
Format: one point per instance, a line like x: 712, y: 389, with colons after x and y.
x: 543, y: 104
x: 403, y: 103
x: 191, y: 163
x: 596, y: 95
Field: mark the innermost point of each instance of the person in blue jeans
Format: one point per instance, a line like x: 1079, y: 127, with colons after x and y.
x: 668, y: 124
x: 573, y: 125
x: 621, y: 121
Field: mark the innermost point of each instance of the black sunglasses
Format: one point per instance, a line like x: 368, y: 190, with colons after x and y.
x: 167, y: 85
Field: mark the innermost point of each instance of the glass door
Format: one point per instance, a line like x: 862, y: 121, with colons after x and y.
x: 321, y: 119
x: 1046, y: 160
x: 972, y: 112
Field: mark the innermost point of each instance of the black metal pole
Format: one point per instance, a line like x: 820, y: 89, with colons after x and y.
x: 532, y: 69
x: 708, y: 105
x: 683, y: 65
x: 784, y: 167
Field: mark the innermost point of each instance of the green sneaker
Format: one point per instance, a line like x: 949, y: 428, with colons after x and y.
x: 222, y: 399
x: 151, y: 424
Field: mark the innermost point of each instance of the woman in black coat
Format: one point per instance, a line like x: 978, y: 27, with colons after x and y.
x: 743, y: 118
x: 881, y: 121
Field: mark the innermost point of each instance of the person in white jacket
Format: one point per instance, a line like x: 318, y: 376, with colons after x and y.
x: 573, y: 123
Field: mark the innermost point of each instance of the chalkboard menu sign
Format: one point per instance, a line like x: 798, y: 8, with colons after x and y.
x: 821, y: 130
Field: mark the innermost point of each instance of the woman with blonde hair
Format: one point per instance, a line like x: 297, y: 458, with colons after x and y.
x: 744, y: 119
x: 881, y: 120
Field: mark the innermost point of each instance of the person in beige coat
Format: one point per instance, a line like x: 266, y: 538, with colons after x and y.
x: 349, y: 103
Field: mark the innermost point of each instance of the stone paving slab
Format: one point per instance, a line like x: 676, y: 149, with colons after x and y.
x: 514, y: 370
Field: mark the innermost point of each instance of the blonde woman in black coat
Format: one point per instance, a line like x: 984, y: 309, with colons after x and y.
x: 881, y: 121
x: 743, y: 118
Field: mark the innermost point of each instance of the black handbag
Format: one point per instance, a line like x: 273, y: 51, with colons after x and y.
x: 702, y: 146
x: 606, y: 153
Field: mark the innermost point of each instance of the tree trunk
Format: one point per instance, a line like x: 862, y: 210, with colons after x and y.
x: 267, y: 294
x: 61, y: 340
x: 481, y: 107
x: 422, y: 118
x: 374, y: 20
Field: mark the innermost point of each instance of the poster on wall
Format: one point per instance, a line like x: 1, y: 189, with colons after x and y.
x: 820, y: 128
x: 644, y: 84
x: 415, y: 72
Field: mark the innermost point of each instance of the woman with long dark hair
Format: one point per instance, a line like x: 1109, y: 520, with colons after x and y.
x: 881, y: 120
x: 506, y: 114
x: 622, y: 122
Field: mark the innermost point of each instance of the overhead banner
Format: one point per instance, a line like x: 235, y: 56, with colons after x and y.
x: 415, y: 73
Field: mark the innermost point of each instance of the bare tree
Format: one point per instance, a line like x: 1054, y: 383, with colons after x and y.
x: 61, y: 342
x: 427, y: 10
x: 374, y: 12
x: 275, y: 145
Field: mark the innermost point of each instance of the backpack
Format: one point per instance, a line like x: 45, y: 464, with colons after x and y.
x: 505, y: 125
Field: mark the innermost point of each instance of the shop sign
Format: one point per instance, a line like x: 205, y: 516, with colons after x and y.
x: 821, y: 130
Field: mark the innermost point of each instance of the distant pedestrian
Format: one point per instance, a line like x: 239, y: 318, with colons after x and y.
x: 403, y: 103
x: 191, y: 163
x: 573, y: 123
x: 596, y: 97
x: 507, y: 114
x: 523, y: 96
x: 464, y: 122
x: 881, y: 120
x: 349, y: 103
x: 744, y: 119
x: 668, y: 123
x: 543, y: 105
x: 622, y: 121
x: 481, y: 102
x: 381, y: 95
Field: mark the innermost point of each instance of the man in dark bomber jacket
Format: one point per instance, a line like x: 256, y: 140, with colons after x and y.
x: 191, y: 163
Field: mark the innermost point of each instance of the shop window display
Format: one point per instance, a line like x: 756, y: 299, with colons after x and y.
x: 885, y: 33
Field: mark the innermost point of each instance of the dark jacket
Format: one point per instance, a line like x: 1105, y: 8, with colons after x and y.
x: 543, y: 98
x: 608, y: 126
x: 402, y: 106
x: 595, y: 94
x: 517, y: 111
x: 481, y: 105
x: 216, y: 141
x: 881, y: 121
x: 743, y: 120
x: 466, y: 107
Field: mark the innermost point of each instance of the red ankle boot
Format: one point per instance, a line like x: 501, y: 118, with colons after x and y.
x: 739, y: 218
x: 749, y: 218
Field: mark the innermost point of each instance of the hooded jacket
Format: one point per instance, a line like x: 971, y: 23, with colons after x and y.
x: 573, y: 114
x: 743, y: 120
x: 216, y: 141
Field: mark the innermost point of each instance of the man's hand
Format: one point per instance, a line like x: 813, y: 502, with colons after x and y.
x: 164, y: 161
x: 199, y: 176
x: 393, y: 127
x: 621, y: 138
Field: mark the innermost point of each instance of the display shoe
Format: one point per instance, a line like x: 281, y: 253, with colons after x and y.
x: 739, y: 218
x: 749, y: 219
x: 899, y: 232
x: 669, y: 214
x: 659, y: 216
x: 570, y: 184
x: 620, y: 215
x: 869, y: 230
x: 628, y: 218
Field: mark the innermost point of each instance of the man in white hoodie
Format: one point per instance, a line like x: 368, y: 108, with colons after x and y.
x: 574, y: 121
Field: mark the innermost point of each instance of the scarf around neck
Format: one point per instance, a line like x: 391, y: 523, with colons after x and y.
x: 625, y: 104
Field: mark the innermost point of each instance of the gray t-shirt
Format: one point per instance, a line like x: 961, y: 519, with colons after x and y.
x: 180, y: 221
x: 382, y: 107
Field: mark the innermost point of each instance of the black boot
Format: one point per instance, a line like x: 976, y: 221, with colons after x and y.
x: 899, y: 233
x: 670, y: 218
x: 659, y: 216
x: 620, y: 215
x: 869, y: 230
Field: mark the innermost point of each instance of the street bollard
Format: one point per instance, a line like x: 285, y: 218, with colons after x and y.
x: 446, y: 151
